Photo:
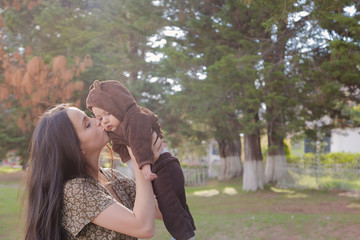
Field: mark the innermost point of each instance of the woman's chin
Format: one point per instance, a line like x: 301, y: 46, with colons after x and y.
x: 106, y: 137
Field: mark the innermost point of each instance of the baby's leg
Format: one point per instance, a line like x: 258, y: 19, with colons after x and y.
x: 170, y: 193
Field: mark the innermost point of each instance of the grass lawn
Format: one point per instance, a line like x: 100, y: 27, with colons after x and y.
x: 8, y: 169
x: 224, y: 211
x: 11, y: 222
x: 326, y: 181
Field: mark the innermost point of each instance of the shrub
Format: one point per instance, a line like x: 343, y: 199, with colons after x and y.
x: 348, y: 160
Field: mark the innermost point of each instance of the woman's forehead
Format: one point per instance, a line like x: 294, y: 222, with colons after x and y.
x: 76, y: 116
x: 75, y: 111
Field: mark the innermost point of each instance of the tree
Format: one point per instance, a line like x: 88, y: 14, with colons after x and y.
x: 292, y: 60
x: 280, y: 97
x: 253, y: 178
x: 204, y: 64
x: 253, y: 164
x: 29, y: 86
x: 216, y: 66
x: 10, y: 136
x: 115, y: 33
x: 329, y: 69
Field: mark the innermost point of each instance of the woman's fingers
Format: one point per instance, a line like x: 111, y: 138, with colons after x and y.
x: 130, y: 152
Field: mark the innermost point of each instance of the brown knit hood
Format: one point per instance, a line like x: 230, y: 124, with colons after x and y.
x: 111, y: 96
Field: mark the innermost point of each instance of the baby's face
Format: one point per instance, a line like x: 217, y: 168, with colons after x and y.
x: 107, y: 120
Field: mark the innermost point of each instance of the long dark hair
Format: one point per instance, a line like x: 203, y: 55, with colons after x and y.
x: 55, y: 157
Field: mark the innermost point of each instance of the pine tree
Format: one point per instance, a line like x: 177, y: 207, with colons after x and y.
x: 61, y: 34
x: 214, y: 64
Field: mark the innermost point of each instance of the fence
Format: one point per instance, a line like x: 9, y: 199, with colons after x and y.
x: 195, y: 176
x: 322, y: 176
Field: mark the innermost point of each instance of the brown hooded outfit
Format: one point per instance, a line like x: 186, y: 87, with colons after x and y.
x: 135, y: 130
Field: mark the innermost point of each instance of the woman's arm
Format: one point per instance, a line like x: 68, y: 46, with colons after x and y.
x: 158, y: 214
x: 139, y: 222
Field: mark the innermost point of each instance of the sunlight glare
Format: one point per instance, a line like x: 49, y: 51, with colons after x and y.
x: 230, y: 191
x: 207, y: 193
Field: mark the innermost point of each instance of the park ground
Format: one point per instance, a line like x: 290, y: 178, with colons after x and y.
x: 223, y: 211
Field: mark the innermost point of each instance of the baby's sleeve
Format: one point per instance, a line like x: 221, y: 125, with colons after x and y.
x: 83, y: 201
x: 119, y: 147
x: 140, y: 139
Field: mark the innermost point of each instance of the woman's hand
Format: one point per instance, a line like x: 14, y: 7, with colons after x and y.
x: 157, y: 145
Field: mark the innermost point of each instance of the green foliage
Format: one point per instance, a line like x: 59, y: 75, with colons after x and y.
x: 347, y: 160
x: 330, y: 180
x: 114, y: 33
x: 235, y: 58
x: 8, y: 169
x: 11, y: 137
x: 354, y: 113
x: 333, y: 79
x: 286, y: 149
x: 225, y: 57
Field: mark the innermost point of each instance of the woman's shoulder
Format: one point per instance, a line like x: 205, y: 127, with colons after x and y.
x: 118, y: 178
x: 79, y: 184
x: 114, y: 173
x: 77, y: 181
x: 74, y: 183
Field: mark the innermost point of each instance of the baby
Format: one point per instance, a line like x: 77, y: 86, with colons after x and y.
x: 128, y: 124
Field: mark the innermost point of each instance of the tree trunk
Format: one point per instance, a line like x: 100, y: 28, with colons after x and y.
x: 253, y: 178
x: 230, y: 157
x: 275, y: 160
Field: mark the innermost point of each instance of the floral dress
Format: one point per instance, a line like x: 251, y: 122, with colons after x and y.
x: 85, y: 198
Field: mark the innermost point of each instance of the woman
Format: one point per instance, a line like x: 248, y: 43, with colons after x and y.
x: 70, y: 197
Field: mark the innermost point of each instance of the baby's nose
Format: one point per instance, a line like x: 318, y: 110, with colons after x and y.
x: 103, y: 125
x: 105, y: 119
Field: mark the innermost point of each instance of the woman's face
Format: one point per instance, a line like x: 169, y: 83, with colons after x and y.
x: 91, y: 135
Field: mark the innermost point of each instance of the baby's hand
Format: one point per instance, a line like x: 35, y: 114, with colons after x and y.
x: 146, y: 171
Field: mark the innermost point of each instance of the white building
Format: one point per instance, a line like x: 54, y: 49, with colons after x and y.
x: 345, y: 140
x: 342, y: 140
